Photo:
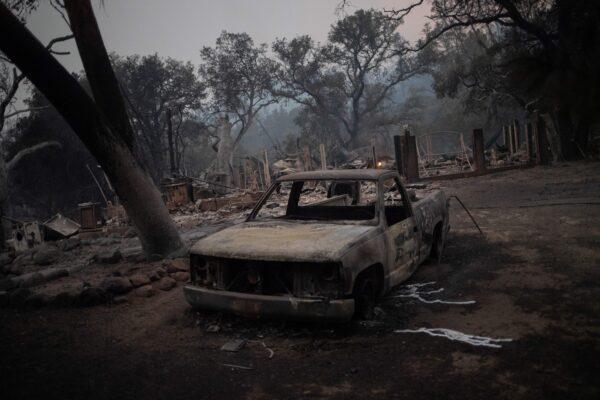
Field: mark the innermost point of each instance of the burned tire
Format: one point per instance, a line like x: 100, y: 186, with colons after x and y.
x: 365, y: 296
x: 437, y: 245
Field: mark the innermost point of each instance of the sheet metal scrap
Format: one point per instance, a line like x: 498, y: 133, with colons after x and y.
x: 61, y: 227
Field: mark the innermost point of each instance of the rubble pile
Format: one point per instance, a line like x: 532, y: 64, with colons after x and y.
x: 357, y: 163
x: 100, y: 260
x: 76, y: 272
x: 285, y: 167
x: 444, y: 165
x: 230, y: 207
x: 502, y: 157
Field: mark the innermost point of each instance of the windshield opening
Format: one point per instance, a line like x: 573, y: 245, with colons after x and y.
x: 321, y: 200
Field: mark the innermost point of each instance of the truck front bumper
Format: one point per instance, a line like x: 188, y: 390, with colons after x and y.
x: 288, y: 307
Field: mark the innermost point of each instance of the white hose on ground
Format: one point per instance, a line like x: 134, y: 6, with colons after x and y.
x: 473, y: 340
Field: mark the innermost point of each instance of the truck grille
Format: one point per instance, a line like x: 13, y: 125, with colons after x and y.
x: 268, y: 277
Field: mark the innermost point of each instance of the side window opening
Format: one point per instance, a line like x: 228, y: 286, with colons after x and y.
x: 395, y: 205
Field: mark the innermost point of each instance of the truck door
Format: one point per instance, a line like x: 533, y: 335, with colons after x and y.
x: 401, y: 231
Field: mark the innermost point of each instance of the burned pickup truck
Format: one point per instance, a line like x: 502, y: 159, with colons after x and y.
x: 342, y: 239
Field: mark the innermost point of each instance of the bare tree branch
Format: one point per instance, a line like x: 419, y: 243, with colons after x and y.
x: 31, y: 150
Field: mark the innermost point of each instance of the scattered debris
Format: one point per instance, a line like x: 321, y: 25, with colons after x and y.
x: 479, y: 341
x: 234, y: 345
x: 60, y: 227
x: 269, y: 350
x: 234, y: 366
x: 26, y: 235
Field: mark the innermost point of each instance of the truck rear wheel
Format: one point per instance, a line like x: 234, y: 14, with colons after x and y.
x: 437, y: 246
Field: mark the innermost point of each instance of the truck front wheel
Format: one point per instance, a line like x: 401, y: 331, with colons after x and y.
x: 364, y: 298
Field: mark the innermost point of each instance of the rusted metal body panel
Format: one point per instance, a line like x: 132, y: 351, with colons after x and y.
x: 335, y: 174
x: 282, y: 241
x: 314, y: 263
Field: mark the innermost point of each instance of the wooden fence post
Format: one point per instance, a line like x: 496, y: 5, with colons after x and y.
x: 374, y: 153
x: 541, y: 141
x: 517, y: 134
x: 529, y: 141
x: 410, y: 157
x: 511, y: 134
x: 267, y: 171
x: 398, y: 154
x: 478, y: 151
x: 506, y: 137
x: 307, y: 159
x: 323, y: 156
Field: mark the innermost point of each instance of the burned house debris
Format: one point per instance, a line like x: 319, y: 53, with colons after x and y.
x: 26, y: 235
x: 342, y: 199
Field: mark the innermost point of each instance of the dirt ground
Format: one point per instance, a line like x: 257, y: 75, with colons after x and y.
x: 535, y: 278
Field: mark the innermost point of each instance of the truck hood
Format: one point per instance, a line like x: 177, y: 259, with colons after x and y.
x: 283, y: 241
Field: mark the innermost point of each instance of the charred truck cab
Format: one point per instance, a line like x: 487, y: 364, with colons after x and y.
x: 325, y: 259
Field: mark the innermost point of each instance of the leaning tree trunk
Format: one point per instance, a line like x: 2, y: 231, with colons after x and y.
x: 3, y: 197
x: 98, y: 70
x: 97, y: 129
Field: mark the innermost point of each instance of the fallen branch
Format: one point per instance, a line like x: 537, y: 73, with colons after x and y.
x: 12, y: 114
x: 30, y: 150
x: 237, y: 366
x: 468, y: 213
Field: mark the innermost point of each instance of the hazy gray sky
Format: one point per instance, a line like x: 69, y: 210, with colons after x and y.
x: 179, y: 28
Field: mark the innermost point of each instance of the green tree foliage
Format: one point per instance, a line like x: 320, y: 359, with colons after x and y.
x: 239, y: 77
x: 151, y: 86
x: 50, y: 181
x: 541, y: 54
x: 351, y: 77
